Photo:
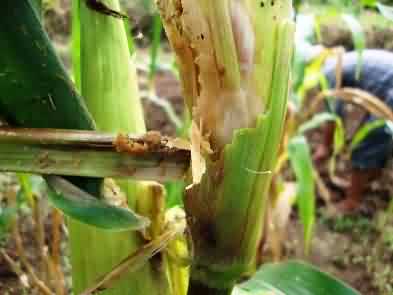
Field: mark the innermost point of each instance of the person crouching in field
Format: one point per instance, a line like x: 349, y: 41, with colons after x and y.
x: 371, y: 155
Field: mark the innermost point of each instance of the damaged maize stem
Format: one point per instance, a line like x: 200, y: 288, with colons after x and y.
x: 234, y: 57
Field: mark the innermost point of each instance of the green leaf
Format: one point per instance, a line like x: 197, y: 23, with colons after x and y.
x: 87, y: 209
x: 31, y: 185
x: 359, y: 39
x: 339, y: 136
x: 321, y: 118
x: 386, y: 11
x: 75, y: 44
x: 156, y: 44
x: 300, y: 158
x: 316, y: 121
x: 361, y: 134
x: 35, y: 90
x: 313, y: 75
x: 292, y: 278
x: 369, y: 3
x: 174, y: 193
x: 339, y: 144
x: 130, y: 39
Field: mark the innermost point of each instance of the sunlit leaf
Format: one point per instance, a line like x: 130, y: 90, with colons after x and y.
x: 386, y: 11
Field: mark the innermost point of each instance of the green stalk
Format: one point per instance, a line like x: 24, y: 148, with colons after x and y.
x: 108, y: 84
x: 90, y: 154
x: 234, y: 57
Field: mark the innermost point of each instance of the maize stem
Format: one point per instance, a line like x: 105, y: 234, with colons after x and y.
x: 108, y: 84
x: 234, y: 57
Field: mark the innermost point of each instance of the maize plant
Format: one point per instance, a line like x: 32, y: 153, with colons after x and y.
x: 234, y: 58
x: 108, y: 86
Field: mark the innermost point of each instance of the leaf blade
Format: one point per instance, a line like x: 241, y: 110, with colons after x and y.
x: 293, y: 278
x: 300, y: 158
x: 87, y: 209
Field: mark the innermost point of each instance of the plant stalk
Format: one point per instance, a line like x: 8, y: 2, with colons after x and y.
x: 234, y: 58
x: 91, y: 163
x: 91, y: 154
x: 108, y: 84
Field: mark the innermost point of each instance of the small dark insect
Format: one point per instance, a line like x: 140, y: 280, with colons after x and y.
x: 102, y: 8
